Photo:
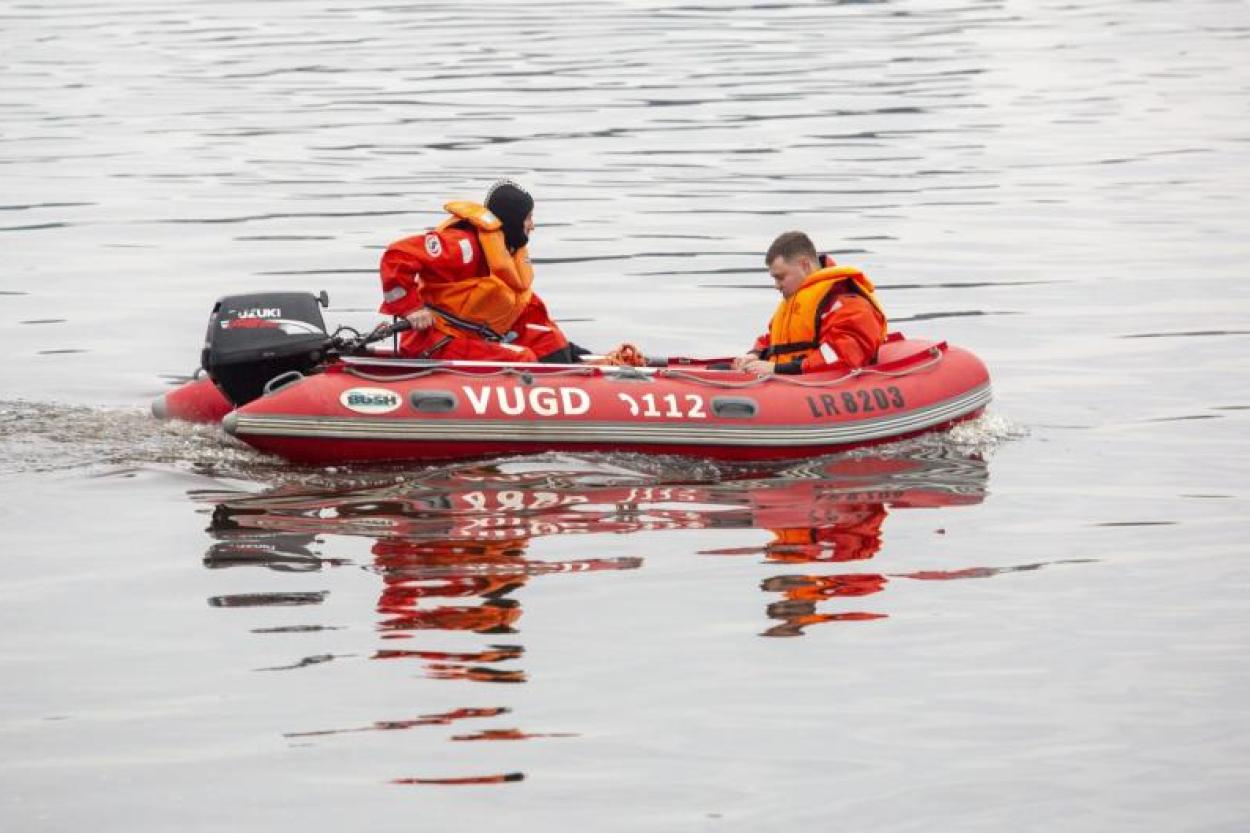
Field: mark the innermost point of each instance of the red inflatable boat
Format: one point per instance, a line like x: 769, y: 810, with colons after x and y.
x: 310, y: 401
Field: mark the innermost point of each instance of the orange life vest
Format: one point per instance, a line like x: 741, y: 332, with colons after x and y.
x: 794, y: 329
x: 493, y: 301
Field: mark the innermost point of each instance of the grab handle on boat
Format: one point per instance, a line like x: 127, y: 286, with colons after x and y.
x: 734, y: 407
x: 433, y: 401
x: 280, y: 381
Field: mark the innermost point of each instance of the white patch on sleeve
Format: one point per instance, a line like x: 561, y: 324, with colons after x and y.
x: 395, y: 294
x: 837, y: 305
x: 828, y: 353
x: 433, y: 246
x: 466, y: 251
x: 538, y: 327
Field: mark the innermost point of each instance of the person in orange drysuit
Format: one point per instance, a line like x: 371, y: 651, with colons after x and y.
x: 829, y: 316
x: 466, y: 286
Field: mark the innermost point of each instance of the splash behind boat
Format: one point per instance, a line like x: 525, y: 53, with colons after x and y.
x: 278, y: 382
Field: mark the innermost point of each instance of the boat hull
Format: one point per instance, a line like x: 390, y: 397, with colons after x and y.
x: 362, y: 410
x: 196, y: 401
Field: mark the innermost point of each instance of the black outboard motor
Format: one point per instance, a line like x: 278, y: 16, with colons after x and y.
x: 253, y: 339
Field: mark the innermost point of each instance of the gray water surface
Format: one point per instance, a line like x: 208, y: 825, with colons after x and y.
x: 1037, y: 622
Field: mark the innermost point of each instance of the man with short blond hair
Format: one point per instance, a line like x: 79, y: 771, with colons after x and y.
x: 829, y: 316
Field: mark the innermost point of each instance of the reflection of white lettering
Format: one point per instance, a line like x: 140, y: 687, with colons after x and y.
x: 540, y: 401
x: 545, y: 500
x: 515, y: 500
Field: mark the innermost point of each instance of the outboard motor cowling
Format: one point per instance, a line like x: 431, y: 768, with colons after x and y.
x: 255, y: 338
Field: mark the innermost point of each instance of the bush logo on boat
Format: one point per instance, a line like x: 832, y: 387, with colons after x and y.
x: 370, y: 400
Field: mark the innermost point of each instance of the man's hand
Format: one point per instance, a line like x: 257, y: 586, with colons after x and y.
x: 420, y: 319
x: 740, y: 362
x: 759, y: 367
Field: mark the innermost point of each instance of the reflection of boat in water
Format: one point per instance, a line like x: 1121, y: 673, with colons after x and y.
x: 491, y: 503
x: 456, y: 551
x: 452, y: 536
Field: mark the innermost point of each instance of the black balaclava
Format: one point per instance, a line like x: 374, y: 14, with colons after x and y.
x: 511, y: 204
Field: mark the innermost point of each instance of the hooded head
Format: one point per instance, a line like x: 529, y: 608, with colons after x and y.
x: 512, y: 204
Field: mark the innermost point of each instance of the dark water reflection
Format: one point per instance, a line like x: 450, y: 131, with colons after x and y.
x: 452, y: 550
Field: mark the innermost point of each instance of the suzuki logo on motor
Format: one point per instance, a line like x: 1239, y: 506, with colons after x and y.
x: 261, y: 312
x: 370, y: 400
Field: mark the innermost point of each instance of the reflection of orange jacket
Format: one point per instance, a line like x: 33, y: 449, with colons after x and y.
x: 793, y: 616
x: 855, y: 536
x: 833, y: 319
x: 399, y: 558
x: 415, y: 570
x: 494, y: 616
x: 461, y: 268
x: 820, y: 588
x: 401, y: 595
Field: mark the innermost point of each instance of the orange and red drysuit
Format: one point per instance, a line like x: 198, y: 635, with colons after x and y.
x: 479, y: 292
x: 833, y: 320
